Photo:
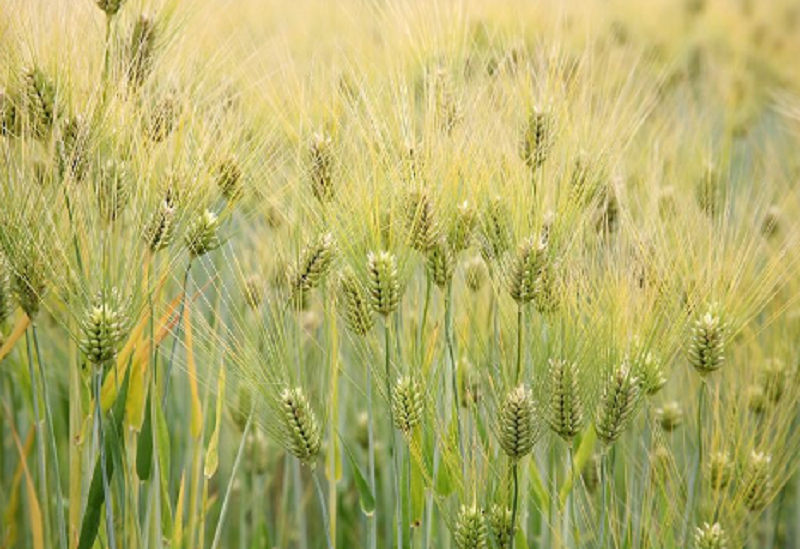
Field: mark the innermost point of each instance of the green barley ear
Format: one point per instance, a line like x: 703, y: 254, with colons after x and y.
x: 523, y: 273
x: 384, y: 287
x: 72, y: 148
x: 201, y: 237
x: 320, y: 150
x: 617, y: 404
x: 475, y: 274
x: 406, y: 404
x: 495, y: 234
x: 254, y: 291
x: 547, y: 295
x: 463, y: 227
x: 608, y: 211
x: 39, y: 100
x: 584, y: 179
x: 756, y: 398
x: 720, y: 469
x: 756, y: 486
x: 357, y: 310
x: 502, y: 529
x: 163, y: 118
x: 420, y: 219
x: 229, y: 178
x: 591, y: 473
x: 110, y: 7
x: 709, y: 191
x: 707, y: 345
x: 518, y: 430
x: 440, y: 263
x: 313, y: 264
x: 538, y: 137
x: 160, y: 228
x: 566, y: 403
x: 142, y: 50
x: 10, y: 121
x: 470, y: 528
x: 27, y: 282
x: 104, y: 327
x: 5, y: 291
x: 301, y: 430
x: 113, y: 189
x: 670, y: 415
x: 710, y: 536
x: 650, y: 370
x: 773, y: 379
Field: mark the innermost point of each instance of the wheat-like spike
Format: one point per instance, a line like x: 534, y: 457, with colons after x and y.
x: 254, y: 291
x: 707, y: 344
x: 39, y: 96
x: 110, y: 7
x: 28, y: 284
x: 357, y: 310
x: 406, y: 404
x: 709, y: 191
x: 523, y: 273
x: 720, y: 469
x: 160, y: 228
x: 756, y: 398
x: 447, y: 109
x: 72, y: 148
x: 384, y: 287
x: 566, y: 403
x: 495, y: 229
x: 617, y: 404
x: 470, y: 528
x: 10, y: 120
x: 502, y: 529
x: 462, y: 227
x: 518, y: 429
x: 320, y: 149
x: 142, y: 50
x: 113, y: 189
x: 756, y: 486
x: 440, y: 263
x: 475, y: 274
x: 710, y: 536
x: 670, y: 415
x: 772, y: 223
x: 301, y: 430
x: 421, y: 222
x: 229, y: 178
x: 163, y: 118
x: 312, y: 266
x: 650, y: 369
x: 591, y: 473
x: 202, y: 235
x: 104, y: 327
x: 538, y: 137
x: 546, y: 294
x: 5, y: 291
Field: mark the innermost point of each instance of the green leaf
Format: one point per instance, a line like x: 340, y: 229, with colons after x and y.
x: 144, y: 452
x: 365, y: 496
x: 584, y: 453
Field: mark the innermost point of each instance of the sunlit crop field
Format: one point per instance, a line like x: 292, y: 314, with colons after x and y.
x: 461, y: 274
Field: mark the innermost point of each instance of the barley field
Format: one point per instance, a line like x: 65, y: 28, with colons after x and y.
x: 469, y: 274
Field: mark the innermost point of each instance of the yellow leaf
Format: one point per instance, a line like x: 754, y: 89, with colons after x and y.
x: 18, y: 332
x: 177, y: 533
x: 196, y: 424
x: 212, y: 454
x: 13, y: 503
x: 34, y: 510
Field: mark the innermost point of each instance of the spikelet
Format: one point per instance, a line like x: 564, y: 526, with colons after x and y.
x: 538, y: 137
x: 28, y: 284
x: 163, y: 118
x: 591, y: 473
x: 756, y: 486
x: 420, y: 220
x: 475, y: 274
x: 384, y: 287
x: 608, y: 213
x: 565, y: 414
x: 584, y: 179
x: 756, y: 399
x: 406, y: 404
x: 617, y: 404
x: 523, y: 273
x: 300, y: 427
x: 517, y: 428
x: 110, y: 7
x: 201, y: 237
x: 104, y: 328
x: 462, y: 227
x: 720, y: 469
x: 113, y: 189
x: 254, y: 291
x: 160, y: 228
x: 710, y: 536
x: 312, y: 265
x: 650, y: 369
x: 447, y: 112
x: 495, y: 234
x: 229, y: 178
x: 320, y: 150
x: 72, y: 148
x: 502, y: 529
x: 546, y: 295
x: 5, y: 291
x: 707, y: 345
x: 470, y: 528
x: 709, y: 191
x: 39, y: 100
x: 357, y: 311
x: 440, y: 263
x: 670, y: 415
x: 142, y: 50
x: 771, y: 223
x: 10, y: 121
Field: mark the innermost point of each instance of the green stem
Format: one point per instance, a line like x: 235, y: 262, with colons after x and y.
x: 514, y: 501
x: 695, y: 492
x: 448, y: 336
x: 223, y: 512
x: 395, y: 473
x: 325, y: 520
x: 520, y: 315
x: 98, y: 389
x: 372, y: 521
x: 43, y: 495
x: 62, y: 536
x: 604, y: 486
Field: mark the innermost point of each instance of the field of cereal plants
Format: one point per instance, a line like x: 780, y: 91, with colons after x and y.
x: 399, y: 273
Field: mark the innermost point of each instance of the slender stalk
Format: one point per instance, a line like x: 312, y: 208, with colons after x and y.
x: 569, y: 510
x: 325, y: 520
x: 167, y: 374
x: 43, y: 495
x: 392, y: 450
x: 520, y: 318
x: 694, y: 493
x: 514, y: 501
x: 448, y: 336
x: 62, y: 536
x: 224, y: 510
x: 424, y: 323
x: 603, y: 485
x: 98, y: 386
x: 372, y: 521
